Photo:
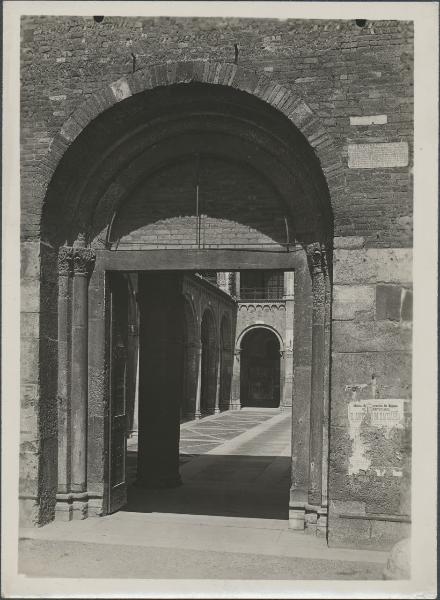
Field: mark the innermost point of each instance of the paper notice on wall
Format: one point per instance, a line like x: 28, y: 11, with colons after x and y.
x: 384, y: 414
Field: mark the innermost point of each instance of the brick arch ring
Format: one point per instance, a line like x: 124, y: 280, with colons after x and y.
x: 280, y: 97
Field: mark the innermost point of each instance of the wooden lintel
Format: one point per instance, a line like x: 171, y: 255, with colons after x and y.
x: 196, y: 260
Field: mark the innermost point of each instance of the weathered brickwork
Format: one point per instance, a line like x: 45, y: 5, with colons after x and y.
x: 311, y: 117
x: 340, y: 69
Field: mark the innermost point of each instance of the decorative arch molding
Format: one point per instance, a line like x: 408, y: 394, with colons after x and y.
x: 258, y: 326
x: 280, y: 97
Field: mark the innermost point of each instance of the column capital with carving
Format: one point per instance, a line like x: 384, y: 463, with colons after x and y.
x: 65, y: 256
x: 83, y: 260
x: 317, y: 257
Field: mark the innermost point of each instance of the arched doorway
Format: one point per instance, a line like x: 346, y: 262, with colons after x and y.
x: 133, y: 159
x: 208, y: 364
x: 260, y: 369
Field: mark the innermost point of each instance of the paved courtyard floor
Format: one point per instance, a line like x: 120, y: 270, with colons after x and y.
x: 229, y: 519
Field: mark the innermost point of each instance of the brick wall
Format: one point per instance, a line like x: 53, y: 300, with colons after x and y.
x: 340, y: 70
x: 238, y: 207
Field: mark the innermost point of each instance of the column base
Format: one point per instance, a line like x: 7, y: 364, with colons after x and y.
x: 308, y: 518
x: 316, y: 520
x: 297, y: 518
x: 71, y: 507
x: 235, y: 405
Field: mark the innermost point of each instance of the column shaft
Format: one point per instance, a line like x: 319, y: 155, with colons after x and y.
x: 289, y: 299
x: 317, y: 395
x: 235, y: 394
x: 198, y: 413
x: 218, y: 384
x: 64, y: 272
x: 82, y: 257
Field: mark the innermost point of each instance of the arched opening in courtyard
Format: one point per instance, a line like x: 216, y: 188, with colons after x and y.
x: 260, y: 369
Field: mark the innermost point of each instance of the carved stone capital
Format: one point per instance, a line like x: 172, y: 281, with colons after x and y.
x: 65, y: 254
x: 317, y: 258
x: 83, y: 259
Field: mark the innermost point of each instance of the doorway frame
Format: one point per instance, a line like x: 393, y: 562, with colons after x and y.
x: 309, y: 458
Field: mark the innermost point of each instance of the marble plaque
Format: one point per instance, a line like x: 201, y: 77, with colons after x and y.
x: 377, y: 156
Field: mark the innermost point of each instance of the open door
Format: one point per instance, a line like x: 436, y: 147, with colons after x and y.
x: 118, y: 422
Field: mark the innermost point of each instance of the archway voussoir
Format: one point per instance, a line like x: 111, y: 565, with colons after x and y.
x: 159, y: 75
x: 171, y: 72
x: 300, y: 113
x: 246, y: 80
x: 84, y: 114
x: 214, y: 73
x: 71, y: 129
x: 121, y: 89
x: 199, y: 70
x: 263, y: 84
x: 270, y: 92
x: 91, y: 107
x: 104, y: 99
x: 317, y: 134
x: 184, y: 72
x: 141, y: 81
x: 206, y: 69
x: 220, y: 74
x: 281, y: 97
x: 229, y: 74
x: 323, y: 143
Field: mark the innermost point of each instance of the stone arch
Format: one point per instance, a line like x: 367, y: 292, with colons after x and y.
x: 209, y: 358
x: 273, y: 98
x: 258, y: 326
x: 283, y: 99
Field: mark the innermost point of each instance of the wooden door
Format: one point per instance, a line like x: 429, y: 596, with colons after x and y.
x: 118, y: 422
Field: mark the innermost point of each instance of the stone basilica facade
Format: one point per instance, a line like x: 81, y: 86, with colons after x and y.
x: 217, y: 213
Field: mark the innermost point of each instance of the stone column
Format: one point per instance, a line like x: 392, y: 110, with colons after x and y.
x: 299, y: 490
x: 317, y: 268
x: 82, y: 261
x: 218, y: 385
x: 235, y: 392
x: 323, y: 513
x: 198, y: 354
x: 63, y: 506
x: 289, y: 298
